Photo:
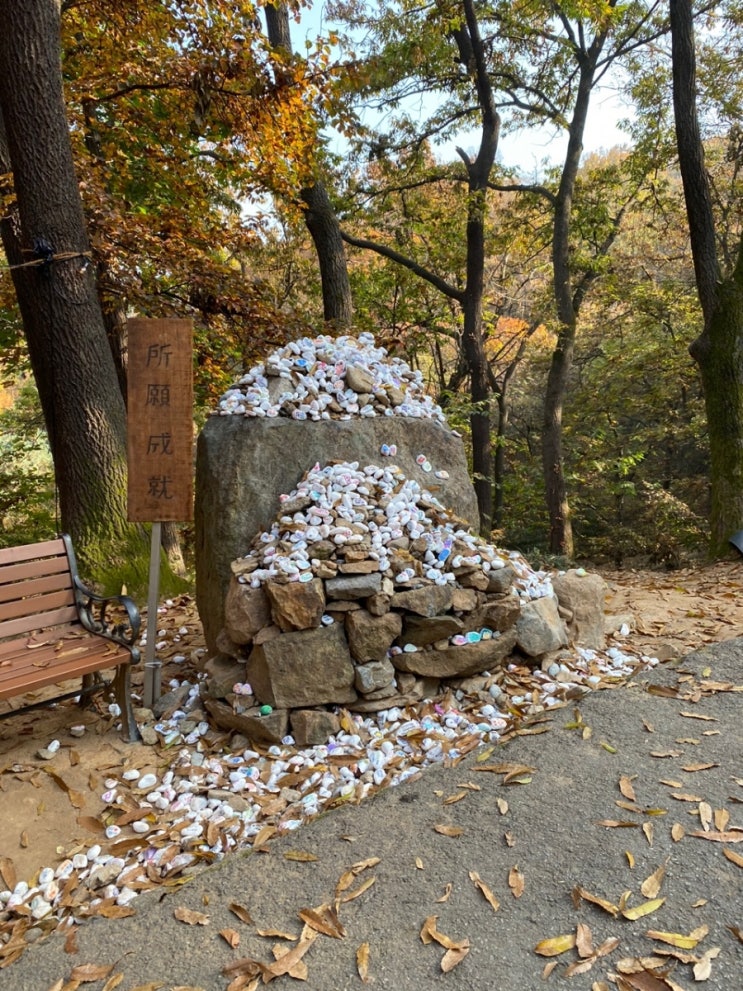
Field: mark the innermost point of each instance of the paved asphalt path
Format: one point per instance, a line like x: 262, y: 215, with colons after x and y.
x: 674, y: 731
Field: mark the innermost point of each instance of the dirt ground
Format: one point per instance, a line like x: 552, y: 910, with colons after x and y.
x: 51, y: 808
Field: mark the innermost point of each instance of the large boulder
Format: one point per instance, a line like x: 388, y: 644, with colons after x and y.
x: 243, y: 465
x: 581, y: 605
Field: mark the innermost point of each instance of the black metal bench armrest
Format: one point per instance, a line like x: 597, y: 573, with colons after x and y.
x: 124, y: 633
x: 93, y: 609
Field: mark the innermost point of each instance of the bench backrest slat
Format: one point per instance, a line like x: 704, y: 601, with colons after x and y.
x: 30, y: 552
x: 28, y: 570
x: 64, y: 616
x: 28, y: 589
x: 36, y: 590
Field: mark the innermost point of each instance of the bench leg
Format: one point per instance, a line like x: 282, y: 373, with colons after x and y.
x: 130, y: 732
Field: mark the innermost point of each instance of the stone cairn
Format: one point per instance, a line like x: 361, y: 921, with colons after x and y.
x: 367, y: 593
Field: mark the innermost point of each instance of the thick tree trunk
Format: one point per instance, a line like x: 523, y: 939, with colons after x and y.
x: 72, y: 363
x: 478, y: 173
x: 719, y: 349
x: 320, y: 216
x: 555, y: 487
x: 558, y: 508
x: 719, y: 353
x: 322, y: 223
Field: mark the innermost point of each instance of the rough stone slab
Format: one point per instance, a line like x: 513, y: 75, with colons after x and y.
x: 354, y: 586
x: 222, y: 671
x: 246, y: 611
x: 539, y: 628
x: 581, y: 604
x: 463, y: 599
x: 422, y: 630
x: 378, y: 604
x: 297, y: 670
x: 296, y: 605
x: 270, y: 729
x: 243, y: 464
x: 313, y: 726
x: 374, y: 676
x: 458, y: 662
x: 497, y: 614
x: 428, y: 600
x: 500, y: 580
x: 370, y: 637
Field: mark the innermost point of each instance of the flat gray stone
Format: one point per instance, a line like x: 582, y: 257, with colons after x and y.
x: 297, y: 670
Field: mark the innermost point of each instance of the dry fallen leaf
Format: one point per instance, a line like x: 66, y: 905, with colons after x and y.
x: 626, y: 788
x: 231, y: 937
x: 362, y: 962
x: 651, y: 885
x: 678, y: 939
x: 722, y: 820
x: 455, y: 955
x: 645, y: 908
x: 733, y: 857
x: 448, y: 830
x: 555, y: 945
x: 8, y: 873
x: 298, y: 969
x: 190, y: 917
x: 729, y: 836
x: 647, y: 828
x: 300, y: 856
x: 484, y: 891
x: 241, y: 912
x: 677, y: 832
x: 703, y: 968
x: 453, y: 799
x: 352, y: 895
x: 583, y: 940
x: 89, y: 972
x: 516, y: 882
x: 447, y: 893
x: 113, y: 982
x: 323, y: 919
x: 581, y: 893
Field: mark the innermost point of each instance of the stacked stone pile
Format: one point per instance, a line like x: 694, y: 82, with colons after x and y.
x: 367, y: 592
x: 326, y: 378
x: 314, y: 400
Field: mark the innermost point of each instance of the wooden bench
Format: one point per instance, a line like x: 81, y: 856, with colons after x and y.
x: 53, y: 628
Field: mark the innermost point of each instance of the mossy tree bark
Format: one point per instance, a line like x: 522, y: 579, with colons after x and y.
x: 719, y: 348
x: 72, y: 363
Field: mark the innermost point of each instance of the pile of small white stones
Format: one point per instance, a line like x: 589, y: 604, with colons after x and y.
x: 372, y: 507
x: 325, y: 378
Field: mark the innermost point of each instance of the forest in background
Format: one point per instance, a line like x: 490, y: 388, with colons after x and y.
x: 272, y: 187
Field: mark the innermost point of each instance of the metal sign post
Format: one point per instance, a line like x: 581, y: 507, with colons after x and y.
x: 159, y: 448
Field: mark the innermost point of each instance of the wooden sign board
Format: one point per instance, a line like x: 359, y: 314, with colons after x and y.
x: 160, y: 420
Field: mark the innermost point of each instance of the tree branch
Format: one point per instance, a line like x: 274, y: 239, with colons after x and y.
x: 386, y: 252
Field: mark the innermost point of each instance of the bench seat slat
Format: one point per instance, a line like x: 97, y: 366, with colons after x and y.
x: 35, y: 672
x: 48, y: 639
x: 36, y: 605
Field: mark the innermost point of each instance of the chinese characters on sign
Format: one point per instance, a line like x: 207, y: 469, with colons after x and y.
x: 160, y: 420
